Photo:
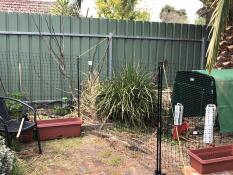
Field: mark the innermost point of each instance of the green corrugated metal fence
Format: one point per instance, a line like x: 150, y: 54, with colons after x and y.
x: 26, y: 40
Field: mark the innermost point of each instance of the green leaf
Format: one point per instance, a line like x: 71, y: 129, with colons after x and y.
x: 129, y: 98
x: 218, y: 22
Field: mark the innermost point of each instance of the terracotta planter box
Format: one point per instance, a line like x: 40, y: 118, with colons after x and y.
x: 59, y: 128
x: 26, y: 136
x: 211, y: 160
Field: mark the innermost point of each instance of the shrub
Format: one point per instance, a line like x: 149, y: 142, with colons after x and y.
x: 6, y: 158
x: 19, y: 168
x: 61, y: 111
x: 15, y: 108
x: 129, y: 98
x: 90, y: 92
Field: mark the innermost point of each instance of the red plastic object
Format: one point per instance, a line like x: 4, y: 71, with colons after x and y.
x: 59, y: 128
x: 210, y: 160
x: 182, y: 129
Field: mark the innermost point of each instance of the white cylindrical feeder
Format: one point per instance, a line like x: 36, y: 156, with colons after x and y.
x: 210, y: 115
x: 89, y: 63
x: 178, y: 116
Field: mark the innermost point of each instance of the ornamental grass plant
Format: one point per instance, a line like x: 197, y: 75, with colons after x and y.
x: 129, y: 98
x: 89, y: 94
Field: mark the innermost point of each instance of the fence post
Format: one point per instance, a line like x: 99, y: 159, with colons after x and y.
x: 203, y: 48
x: 110, y: 56
x: 159, y: 120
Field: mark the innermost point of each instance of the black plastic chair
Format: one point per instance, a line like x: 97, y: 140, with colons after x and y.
x: 9, y: 126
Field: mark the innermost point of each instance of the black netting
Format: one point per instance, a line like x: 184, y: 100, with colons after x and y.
x: 194, y: 90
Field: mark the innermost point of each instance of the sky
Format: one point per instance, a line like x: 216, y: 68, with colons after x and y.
x: 154, y: 6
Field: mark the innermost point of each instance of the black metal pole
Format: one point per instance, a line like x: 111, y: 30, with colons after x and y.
x: 159, y: 118
x: 78, y: 84
x: 157, y: 171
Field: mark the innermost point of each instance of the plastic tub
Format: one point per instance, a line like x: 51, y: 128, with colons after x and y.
x: 59, y: 128
x: 209, y: 160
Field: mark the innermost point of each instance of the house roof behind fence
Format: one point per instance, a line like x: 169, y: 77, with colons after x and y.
x: 26, y: 6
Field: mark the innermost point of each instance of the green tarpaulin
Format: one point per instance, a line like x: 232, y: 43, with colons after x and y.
x: 224, y: 90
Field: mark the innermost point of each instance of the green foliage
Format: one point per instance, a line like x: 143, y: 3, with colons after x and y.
x: 170, y: 15
x: 15, y: 108
x: 15, y: 145
x: 218, y: 22
x: 61, y: 146
x: 129, y: 98
x: 200, y: 21
x: 6, y: 158
x: 121, y: 9
x: 115, y: 161
x: 111, y: 159
x: 19, y: 168
x: 143, y: 16
x: 221, y: 16
x: 60, y: 111
x: 18, y: 95
x: 66, y: 8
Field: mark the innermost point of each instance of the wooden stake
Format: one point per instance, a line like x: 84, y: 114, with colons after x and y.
x: 20, y: 78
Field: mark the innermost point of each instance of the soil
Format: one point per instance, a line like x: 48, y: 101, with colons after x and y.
x: 86, y: 155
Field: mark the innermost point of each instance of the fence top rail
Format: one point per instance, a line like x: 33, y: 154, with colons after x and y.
x: 98, y: 36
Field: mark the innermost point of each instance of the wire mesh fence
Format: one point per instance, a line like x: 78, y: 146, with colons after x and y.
x: 186, y: 122
x: 195, y: 128
x: 43, y: 77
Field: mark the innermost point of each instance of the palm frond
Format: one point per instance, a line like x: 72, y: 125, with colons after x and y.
x: 218, y: 22
x: 75, y: 3
x: 66, y: 7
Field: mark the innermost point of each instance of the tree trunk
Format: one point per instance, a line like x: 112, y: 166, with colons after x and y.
x: 225, y: 58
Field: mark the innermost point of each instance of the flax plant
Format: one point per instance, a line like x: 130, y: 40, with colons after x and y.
x: 129, y: 98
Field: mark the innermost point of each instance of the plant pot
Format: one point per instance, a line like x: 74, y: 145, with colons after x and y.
x: 209, y: 160
x: 26, y: 136
x: 59, y: 128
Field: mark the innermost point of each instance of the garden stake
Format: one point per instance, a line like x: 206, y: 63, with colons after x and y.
x: 89, y: 70
x: 20, y: 128
x: 78, y: 84
x: 159, y: 118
